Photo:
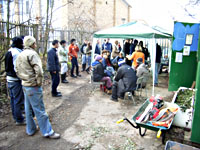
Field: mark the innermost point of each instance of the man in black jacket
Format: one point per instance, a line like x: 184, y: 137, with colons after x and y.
x: 144, y: 50
x: 14, y: 83
x: 126, y: 47
x: 132, y: 46
x: 54, y: 68
x: 157, y: 63
x: 125, y: 81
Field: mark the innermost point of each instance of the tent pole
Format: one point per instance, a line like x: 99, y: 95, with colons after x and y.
x: 93, y: 48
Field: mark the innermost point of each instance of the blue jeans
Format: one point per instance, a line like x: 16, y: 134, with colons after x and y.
x: 157, y: 68
x: 16, y: 100
x: 89, y: 61
x: 55, y: 78
x: 74, y: 64
x: 34, y: 99
x: 84, y: 59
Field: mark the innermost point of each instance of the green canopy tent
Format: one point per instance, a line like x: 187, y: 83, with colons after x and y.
x: 134, y: 30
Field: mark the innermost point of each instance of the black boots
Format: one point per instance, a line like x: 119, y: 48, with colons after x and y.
x: 83, y: 67
x: 63, y: 78
x: 88, y: 70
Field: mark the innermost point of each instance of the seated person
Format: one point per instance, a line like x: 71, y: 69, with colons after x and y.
x: 107, y: 63
x: 142, y: 71
x: 99, y: 74
x: 116, y: 60
x: 125, y: 81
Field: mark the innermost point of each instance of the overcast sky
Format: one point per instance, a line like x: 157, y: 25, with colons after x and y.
x: 164, y: 12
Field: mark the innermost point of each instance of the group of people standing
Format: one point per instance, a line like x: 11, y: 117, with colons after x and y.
x: 25, y: 77
x: 86, y: 51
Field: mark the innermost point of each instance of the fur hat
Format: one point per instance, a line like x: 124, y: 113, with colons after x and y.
x: 28, y: 41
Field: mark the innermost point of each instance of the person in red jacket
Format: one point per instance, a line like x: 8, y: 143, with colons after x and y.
x: 73, y: 50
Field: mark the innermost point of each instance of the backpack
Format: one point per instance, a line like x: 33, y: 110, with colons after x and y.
x: 9, y: 67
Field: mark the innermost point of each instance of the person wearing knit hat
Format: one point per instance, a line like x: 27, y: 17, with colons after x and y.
x: 121, y: 62
x: 29, y: 41
x: 14, y: 83
x: 124, y: 81
x: 99, y: 74
x: 29, y: 70
x: 98, y: 57
x: 139, y: 61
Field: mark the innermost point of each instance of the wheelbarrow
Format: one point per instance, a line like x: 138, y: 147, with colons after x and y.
x: 161, y: 131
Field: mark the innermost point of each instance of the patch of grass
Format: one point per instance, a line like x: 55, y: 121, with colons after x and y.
x: 99, y: 131
x: 128, y: 145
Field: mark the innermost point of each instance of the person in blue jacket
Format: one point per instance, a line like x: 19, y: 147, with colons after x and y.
x: 107, y: 46
x: 97, y: 48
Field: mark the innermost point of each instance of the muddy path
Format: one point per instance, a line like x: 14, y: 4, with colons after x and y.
x: 62, y: 113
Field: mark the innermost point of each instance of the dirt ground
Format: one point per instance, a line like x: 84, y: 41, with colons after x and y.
x: 86, y: 119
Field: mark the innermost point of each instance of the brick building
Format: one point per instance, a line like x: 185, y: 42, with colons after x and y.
x: 94, y: 15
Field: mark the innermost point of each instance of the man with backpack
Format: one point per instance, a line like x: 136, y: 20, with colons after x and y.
x: 14, y: 83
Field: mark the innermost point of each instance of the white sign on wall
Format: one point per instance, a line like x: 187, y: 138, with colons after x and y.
x: 186, y: 51
x: 179, y: 57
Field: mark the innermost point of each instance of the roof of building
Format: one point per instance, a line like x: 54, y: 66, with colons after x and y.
x: 126, y: 3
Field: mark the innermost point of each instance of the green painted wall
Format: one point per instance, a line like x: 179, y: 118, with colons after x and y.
x: 182, y: 74
x: 195, y: 137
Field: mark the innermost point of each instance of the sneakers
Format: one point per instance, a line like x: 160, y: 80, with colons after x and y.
x: 73, y: 76
x: 113, y: 99
x: 21, y: 123
x: 54, y: 136
x: 57, y: 95
x: 65, y: 81
x: 78, y: 75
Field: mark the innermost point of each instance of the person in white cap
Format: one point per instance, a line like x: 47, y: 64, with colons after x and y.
x: 29, y: 70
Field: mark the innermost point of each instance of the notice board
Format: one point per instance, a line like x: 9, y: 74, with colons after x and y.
x: 184, y: 67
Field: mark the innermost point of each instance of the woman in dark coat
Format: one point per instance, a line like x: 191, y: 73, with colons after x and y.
x: 99, y: 75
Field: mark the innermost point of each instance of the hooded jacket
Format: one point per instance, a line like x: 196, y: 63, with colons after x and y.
x: 29, y: 68
x: 142, y: 70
